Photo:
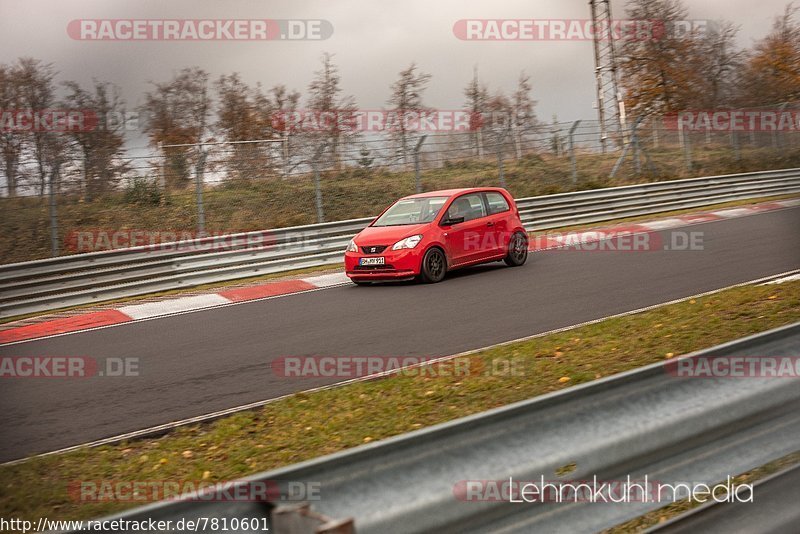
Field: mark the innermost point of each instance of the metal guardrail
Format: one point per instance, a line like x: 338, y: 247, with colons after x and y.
x: 53, y: 283
x: 642, y: 422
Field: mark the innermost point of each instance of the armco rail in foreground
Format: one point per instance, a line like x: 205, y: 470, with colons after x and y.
x: 48, y: 284
x: 643, y: 422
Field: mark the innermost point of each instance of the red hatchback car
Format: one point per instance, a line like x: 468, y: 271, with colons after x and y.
x: 428, y: 234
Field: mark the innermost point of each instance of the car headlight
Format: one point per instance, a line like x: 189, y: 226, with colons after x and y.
x: 409, y: 242
x: 351, y: 246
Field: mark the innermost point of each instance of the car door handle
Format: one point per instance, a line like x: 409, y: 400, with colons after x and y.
x: 489, y: 224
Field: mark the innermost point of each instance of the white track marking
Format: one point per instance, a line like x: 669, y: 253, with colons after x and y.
x: 169, y: 307
x: 733, y: 212
x: 663, y: 225
x: 790, y: 278
x: 327, y: 280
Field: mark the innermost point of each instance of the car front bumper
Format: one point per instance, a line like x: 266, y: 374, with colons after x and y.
x: 399, y: 264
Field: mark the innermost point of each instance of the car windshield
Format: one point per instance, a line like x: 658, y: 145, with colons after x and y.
x: 411, y: 211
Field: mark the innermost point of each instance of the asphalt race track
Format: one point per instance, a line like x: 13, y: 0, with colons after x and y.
x: 200, y: 362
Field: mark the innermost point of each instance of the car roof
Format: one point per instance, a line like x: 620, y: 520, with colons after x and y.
x: 454, y: 192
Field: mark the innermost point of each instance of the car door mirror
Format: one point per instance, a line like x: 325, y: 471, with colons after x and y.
x: 450, y: 221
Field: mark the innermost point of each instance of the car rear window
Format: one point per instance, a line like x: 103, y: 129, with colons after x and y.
x: 497, y: 203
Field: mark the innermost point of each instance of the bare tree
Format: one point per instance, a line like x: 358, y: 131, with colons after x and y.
x: 34, y: 80
x: 498, y: 120
x: 176, y: 113
x: 284, y: 101
x: 715, y: 61
x: 523, y: 118
x: 477, y: 95
x: 406, y: 98
x: 243, y: 114
x: 100, y: 149
x: 10, y: 141
x: 325, y: 96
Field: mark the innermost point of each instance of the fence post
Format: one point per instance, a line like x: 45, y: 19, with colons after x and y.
x: 778, y: 143
x: 318, y: 185
x: 633, y: 142
x: 162, y: 178
x: 655, y: 133
x: 417, y: 177
x: 573, y: 163
x: 737, y: 154
x: 501, y: 173
x: 54, y: 174
x: 198, y: 185
x: 687, y: 149
x: 285, y: 154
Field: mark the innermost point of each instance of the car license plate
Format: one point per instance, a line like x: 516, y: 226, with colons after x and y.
x: 372, y: 261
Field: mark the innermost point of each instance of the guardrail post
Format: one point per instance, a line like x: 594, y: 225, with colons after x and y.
x: 417, y: 177
x: 198, y: 181
x: 54, y: 175
x: 572, y: 161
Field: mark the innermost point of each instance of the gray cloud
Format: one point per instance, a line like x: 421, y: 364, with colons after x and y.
x: 372, y: 41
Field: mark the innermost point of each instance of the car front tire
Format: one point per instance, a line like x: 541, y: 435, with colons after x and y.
x: 434, y: 266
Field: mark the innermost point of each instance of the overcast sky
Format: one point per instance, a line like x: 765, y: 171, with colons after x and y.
x: 372, y: 40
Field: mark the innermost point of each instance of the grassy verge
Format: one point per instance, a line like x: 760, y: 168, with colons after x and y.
x: 675, y: 509
x: 294, y: 429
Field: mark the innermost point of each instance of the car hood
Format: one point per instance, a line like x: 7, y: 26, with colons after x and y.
x: 388, y: 235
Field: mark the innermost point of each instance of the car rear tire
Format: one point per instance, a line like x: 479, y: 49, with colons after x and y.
x: 434, y: 266
x: 517, y: 250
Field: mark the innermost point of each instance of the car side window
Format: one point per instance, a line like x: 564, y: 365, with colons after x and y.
x: 468, y: 206
x: 497, y: 203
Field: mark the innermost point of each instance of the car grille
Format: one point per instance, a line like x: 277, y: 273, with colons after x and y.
x: 373, y: 267
x: 374, y: 249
